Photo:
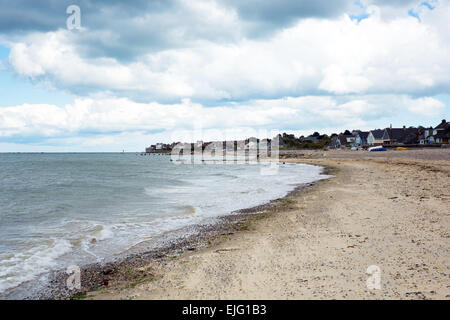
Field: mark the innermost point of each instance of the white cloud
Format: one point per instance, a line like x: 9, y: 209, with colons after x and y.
x: 105, y: 115
x: 23, y: 63
x: 427, y: 107
x: 338, y: 56
x: 338, y: 81
x: 314, y: 74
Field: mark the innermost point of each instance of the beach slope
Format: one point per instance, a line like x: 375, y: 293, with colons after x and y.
x: 389, y: 212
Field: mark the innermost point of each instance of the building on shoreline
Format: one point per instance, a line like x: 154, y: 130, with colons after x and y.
x: 345, y: 139
x: 439, y: 134
x: 355, y: 139
x: 375, y: 137
x: 401, y: 135
x: 361, y: 138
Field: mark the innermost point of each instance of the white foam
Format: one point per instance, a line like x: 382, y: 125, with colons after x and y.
x: 27, y: 265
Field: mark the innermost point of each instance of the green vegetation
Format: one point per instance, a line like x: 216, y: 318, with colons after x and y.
x: 315, y: 141
x: 81, y: 296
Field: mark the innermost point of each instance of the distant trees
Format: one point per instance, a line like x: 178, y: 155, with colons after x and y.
x: 290, y: 141
x: 314, y: 141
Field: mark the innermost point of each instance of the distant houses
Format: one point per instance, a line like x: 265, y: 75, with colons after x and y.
x: 393, y: 136
x: 439, y: 134
x: 346, y: 139
x: 160, y: 148
x: 361, y: 138
x: 387, y: 136
x: 401, y: 136
x: 355, y: 139
x: 375, y: 137
x: 426, y: 136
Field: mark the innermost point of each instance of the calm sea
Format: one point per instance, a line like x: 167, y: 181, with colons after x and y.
x: 63, y: 209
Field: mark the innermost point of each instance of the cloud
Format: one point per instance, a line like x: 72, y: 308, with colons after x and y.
x: 49, y: 15
x: 314, y: 56
x: 264, y: 17
x: 427, y: 107
x: 111, y: 115
x: 147, y: 69
x: 339, y: 81
x: 127, y: 30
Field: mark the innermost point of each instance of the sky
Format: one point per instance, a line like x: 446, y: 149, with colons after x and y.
x: 138, y: 72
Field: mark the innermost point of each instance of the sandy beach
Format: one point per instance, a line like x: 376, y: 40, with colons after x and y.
x: 389, y: 210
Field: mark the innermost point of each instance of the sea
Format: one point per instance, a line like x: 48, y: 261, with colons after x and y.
x: 63, y: 209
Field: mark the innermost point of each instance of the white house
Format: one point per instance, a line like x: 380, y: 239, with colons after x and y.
x: 375, y: 137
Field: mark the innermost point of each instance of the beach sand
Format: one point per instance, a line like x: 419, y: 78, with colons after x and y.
x: 390, y: 210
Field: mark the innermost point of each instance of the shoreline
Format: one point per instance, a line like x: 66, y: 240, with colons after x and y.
x: 132, y: 268
x: 388, y: 210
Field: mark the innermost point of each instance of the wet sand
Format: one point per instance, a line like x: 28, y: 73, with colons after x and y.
x: 387, y: 209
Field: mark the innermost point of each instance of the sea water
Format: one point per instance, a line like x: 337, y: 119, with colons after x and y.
x: 58, y: 210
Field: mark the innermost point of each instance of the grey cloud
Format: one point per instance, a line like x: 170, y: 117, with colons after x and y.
x: 20, y: 15
x: 265, y: 17
x: 16, y: 16
x: 117, y: 29
x: 284, y: 12
x: 125, y: 30
x: 49, y: 15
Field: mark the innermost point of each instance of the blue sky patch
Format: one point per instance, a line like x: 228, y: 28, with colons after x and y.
x: 360, y: 17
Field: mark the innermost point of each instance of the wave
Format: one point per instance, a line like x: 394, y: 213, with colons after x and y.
x: 26, y: 265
